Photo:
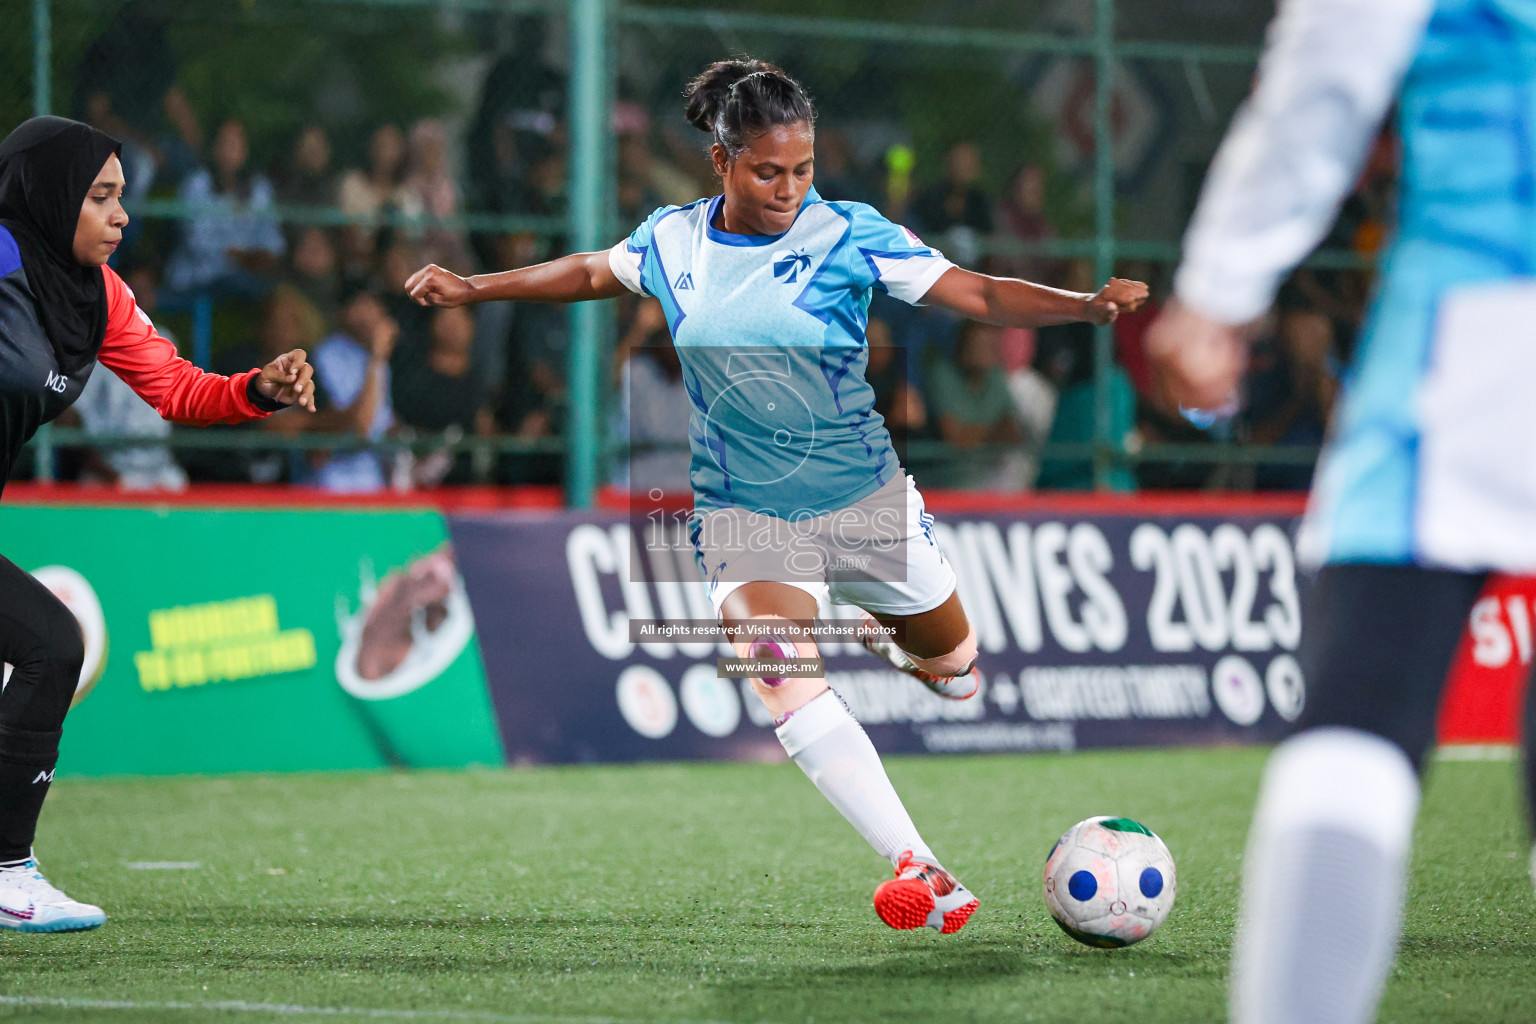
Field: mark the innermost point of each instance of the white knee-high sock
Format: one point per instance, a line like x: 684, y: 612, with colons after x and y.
x: 1324, y: 880
x: 832, y: 749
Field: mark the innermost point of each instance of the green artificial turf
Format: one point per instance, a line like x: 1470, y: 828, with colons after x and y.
x: 728, y: 893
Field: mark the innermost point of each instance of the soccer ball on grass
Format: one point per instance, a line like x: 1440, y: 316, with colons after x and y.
x: 1109, y: 882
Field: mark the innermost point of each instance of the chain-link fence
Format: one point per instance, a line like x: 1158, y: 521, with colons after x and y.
x: 290, y: 161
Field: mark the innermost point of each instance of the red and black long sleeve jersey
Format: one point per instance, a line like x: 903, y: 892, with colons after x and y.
x: 34, y: 391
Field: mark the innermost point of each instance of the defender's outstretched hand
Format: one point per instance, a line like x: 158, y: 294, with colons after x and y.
x: 288, y: 379
x: 1116, y: 297
x: 434, y: 286
x: 1197, y: 361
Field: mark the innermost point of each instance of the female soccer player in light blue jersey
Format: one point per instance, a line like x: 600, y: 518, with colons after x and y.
x: 797, y: 490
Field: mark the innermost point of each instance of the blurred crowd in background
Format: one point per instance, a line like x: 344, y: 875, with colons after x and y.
x: 308, y: 246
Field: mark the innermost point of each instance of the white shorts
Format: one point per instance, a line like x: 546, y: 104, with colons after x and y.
x: 878, y: 553
x: 1433, y: 457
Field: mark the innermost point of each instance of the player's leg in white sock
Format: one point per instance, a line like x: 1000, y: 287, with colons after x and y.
x: 828, y: 744
x: 1324, y: 879
x: 833, y: 750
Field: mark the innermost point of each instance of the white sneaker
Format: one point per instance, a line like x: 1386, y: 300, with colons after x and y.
x: 877, y: 642
x: 29, y: 903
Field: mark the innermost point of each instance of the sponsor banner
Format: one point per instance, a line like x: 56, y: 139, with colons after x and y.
x: 1095, y: 631
x: 1487, y: 683
x: 221, y: 641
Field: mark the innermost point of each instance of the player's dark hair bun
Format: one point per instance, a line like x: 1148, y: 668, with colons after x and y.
x: 734, y: 100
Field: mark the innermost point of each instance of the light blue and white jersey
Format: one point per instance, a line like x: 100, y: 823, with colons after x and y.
x: 1433, y: 454
x: 770, y: 333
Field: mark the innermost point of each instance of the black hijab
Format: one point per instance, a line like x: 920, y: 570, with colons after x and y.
x: 47, y: 166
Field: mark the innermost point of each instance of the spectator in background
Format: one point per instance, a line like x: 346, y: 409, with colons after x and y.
x: 955, y: 210
x: 532, y: 402
x: 399, y: 259
x: 1033, y: 394
x: 307, y: 179
x: 316, y: 269
x: 641, y: 163
x: 969, y: 402
x: 1292, y: 383
x: 837, y: 178
x: 288, y: 321
x: 1067, y: 355
x: 1021, y: 218
x: 544, y: 195
x: 430, y: 191
x: 376, y: 189
x: 125, y: 85
x: 654, y: 405
x: 517, y: 119
x: 357, y: 253
x: 522, y: 99
x: 231, y: 243
x: 109, y: 406
x: 896, y: 400
x: 368, y: 194
x: 444, y: 393
x: 355, y: 394
x: 637, y: 196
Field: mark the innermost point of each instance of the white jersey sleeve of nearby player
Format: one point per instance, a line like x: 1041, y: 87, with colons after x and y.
x: 1327, y: 76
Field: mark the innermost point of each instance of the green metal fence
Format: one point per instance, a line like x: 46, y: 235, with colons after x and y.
x: 596, y: 32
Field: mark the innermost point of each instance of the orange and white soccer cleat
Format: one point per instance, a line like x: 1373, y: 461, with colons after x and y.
x: 924, y: 895
x: 958, y: 687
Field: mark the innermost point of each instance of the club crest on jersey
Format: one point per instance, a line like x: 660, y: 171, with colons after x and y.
x: 684, y: 282
x: 787, y: 265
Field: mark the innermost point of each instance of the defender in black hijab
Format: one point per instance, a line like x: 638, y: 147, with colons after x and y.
x: 62, y: 309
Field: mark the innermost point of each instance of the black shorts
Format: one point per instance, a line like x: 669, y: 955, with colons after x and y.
x: 1378, y: 644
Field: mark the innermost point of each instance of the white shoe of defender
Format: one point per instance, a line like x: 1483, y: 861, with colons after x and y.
x: 30, y: 903
x: 960, y: 687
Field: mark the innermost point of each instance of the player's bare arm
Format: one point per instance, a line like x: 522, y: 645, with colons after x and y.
x: 575, y: 278
x: 1009, y: 302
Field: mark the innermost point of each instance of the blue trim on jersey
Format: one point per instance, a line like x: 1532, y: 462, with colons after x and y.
x: 641, y: 251
x: 10, y: 254
x: 834, y: 378
x: 834, y: 311
x: 726, y: 238
x: 666, y: 281
x: 874, y: 269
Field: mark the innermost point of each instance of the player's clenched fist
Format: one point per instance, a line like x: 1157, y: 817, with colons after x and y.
x: 1198, y: 363
x: 287, y: 379
x: 1116, y: 297
x: 434, y: 286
